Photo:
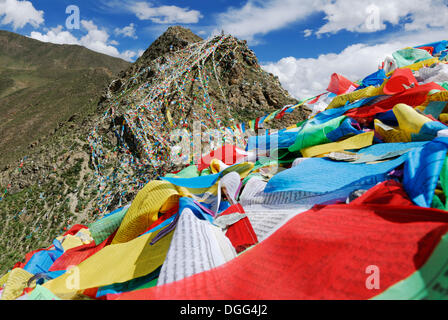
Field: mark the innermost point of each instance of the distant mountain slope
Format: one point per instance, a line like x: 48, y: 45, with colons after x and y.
x: 43, y: 84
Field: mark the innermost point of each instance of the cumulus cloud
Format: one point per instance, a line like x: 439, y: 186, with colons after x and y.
x: 420, y: 21
x: 163, y: 14
x: 305, y: 78
x: 258, y: 17
x: 19, y: 14
x: 55, y: 35
x: 371, y: 16
x: 128, y: 31
x: 128, y: 55
x: 96, y: 39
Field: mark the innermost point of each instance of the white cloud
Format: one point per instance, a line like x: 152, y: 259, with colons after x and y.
x: 55, y: 35
x: 420, y: 21
x: 163, y: 14
x: 259, y: 17
x: 20, y: 13
x: 307, y: 32
x: 96, y: 39
x: 371, y: 16
x: 128, y: 55
x: 305, y: 78
x: 128, y: 31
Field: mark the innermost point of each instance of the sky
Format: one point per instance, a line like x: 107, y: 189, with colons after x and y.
x: 301, y: 41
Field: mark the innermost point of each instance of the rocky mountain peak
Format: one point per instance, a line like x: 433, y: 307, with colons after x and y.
x: 173, y: 39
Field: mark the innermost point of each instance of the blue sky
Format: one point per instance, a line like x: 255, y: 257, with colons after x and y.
x: 301, y: 41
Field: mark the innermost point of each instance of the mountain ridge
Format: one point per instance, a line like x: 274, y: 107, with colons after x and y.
x: 42, y: 84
